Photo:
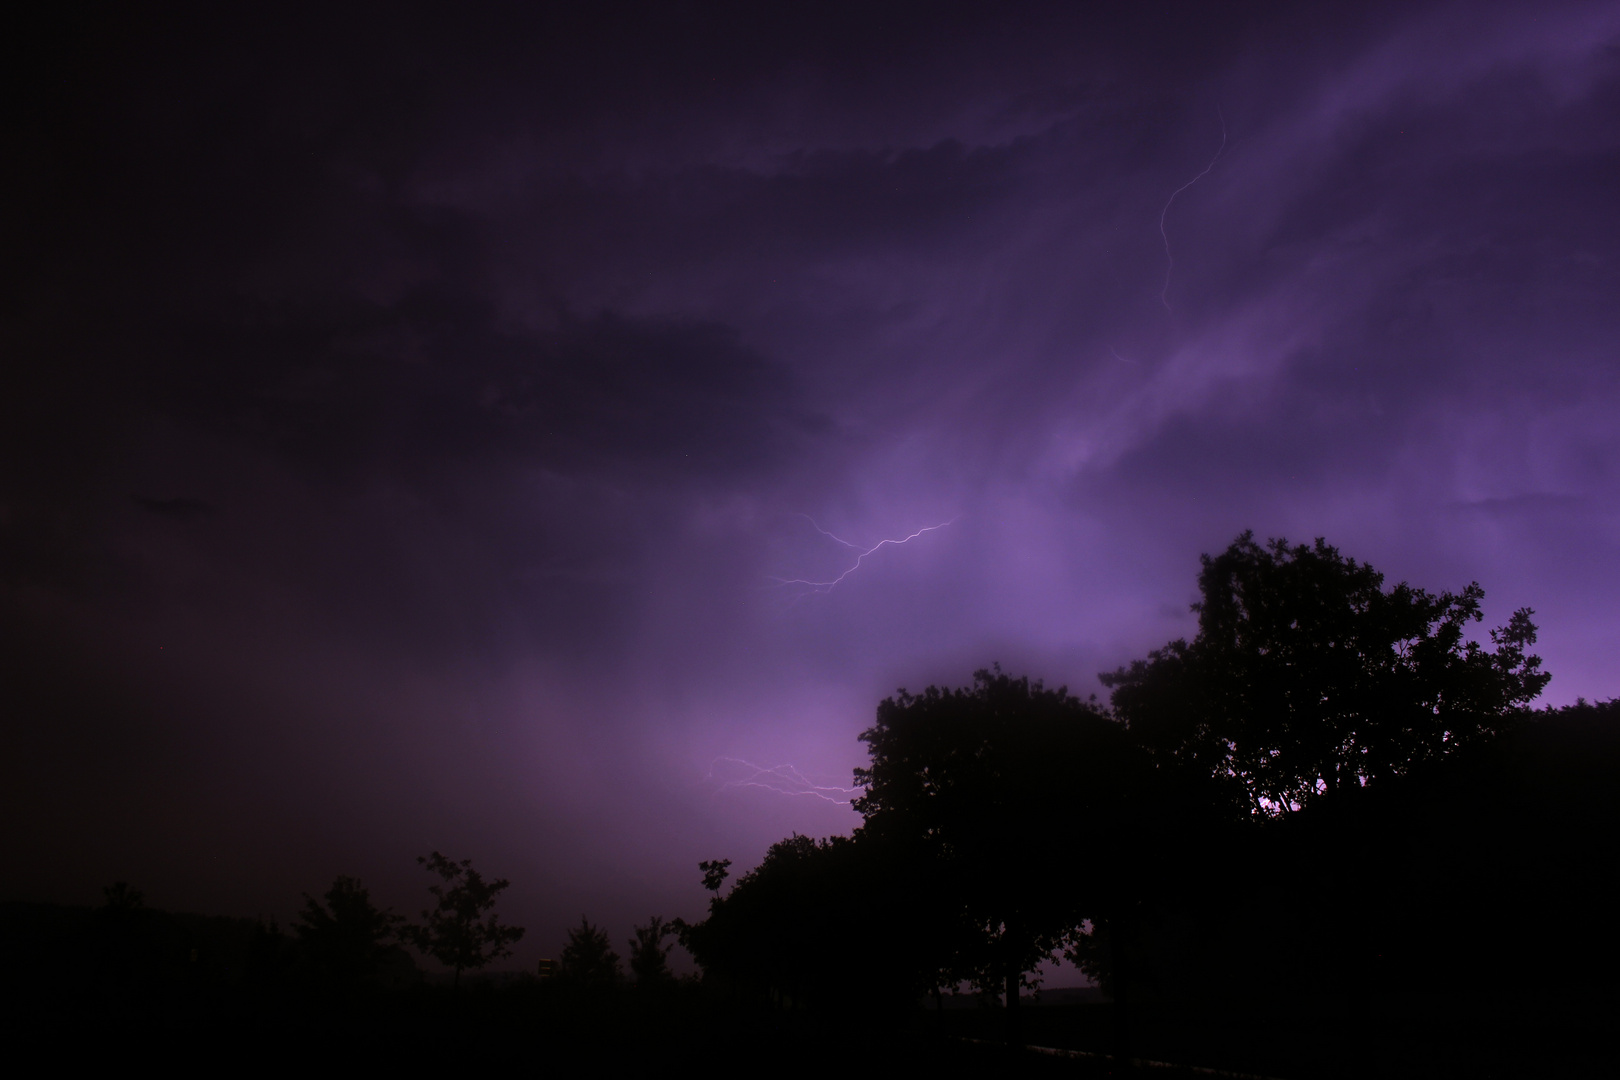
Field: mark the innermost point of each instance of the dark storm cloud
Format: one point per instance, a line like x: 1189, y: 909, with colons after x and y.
x: 220, y: 263
x: 424, y: 385
x: 181, y: 509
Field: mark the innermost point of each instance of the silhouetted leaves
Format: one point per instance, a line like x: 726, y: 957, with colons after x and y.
x: 1022, y: 800
x: 462, y: 931
x: 1307, y: 677
x: 588, y: 958
x: 122, y: 898
x: 715, y: 872
x: 832, y: 923
x: 1005, y: 822
x: 649, y: 956
x: 344, y: 937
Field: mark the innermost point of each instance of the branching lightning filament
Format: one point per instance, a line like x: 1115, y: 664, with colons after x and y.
x: 782, y: 779
x: 861, y: 556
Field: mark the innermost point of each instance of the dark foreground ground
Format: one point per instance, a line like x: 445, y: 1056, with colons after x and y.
x: 515, y: 1030
x: 192, y: 993
x: 1506, y: 1034
x: 530, y: 1028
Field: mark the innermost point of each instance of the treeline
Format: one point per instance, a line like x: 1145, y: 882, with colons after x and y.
x: 339, y: 941
x: 1329, y: 799
x: 341, y: 981
x: 1329, y: 795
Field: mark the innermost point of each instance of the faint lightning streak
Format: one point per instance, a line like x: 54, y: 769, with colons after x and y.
x: 782, y: 779
x: 1169, y: 260
x: 827, y: 586
x: 827, y: 534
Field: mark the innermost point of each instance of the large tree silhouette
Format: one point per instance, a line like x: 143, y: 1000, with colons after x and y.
x: 1308, y: 676
x: 1330, y: 790
x: 1025, y: 801
x: 830, y: 924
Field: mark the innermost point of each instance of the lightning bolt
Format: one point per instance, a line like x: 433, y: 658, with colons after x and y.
x: 1169, y: 260
x: 828, y: 586
x: 782, y: 779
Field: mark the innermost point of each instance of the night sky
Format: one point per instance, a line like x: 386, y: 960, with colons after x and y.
x: 441, y: 431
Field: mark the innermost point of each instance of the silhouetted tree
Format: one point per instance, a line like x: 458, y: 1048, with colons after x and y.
x: 462, y: 931
x: 831, y: 924
x: 1307, y: 677
x: 649, y: 956
x: 1318, y: 701
x: 129, y: 948
x: 1024, y: 800
x: 268, y: 956
x: 1004, y: 822
x: 344, y: 937
x: 715, y: 872
x: 588, y: 958
x: 121, y: 896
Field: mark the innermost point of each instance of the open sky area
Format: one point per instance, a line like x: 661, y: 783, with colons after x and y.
x: 478, y: 430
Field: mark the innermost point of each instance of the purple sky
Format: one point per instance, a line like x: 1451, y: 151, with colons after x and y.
x: 408, y: 423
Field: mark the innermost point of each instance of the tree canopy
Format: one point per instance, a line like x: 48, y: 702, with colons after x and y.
x: 1307, y: 676
x: 1005, y: 822
x: 829, y: 923
x: 649, y: 956
x: 1023, y: 798
x: 344, y: 937
x: 588, y: 958
x: 461, y: 931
